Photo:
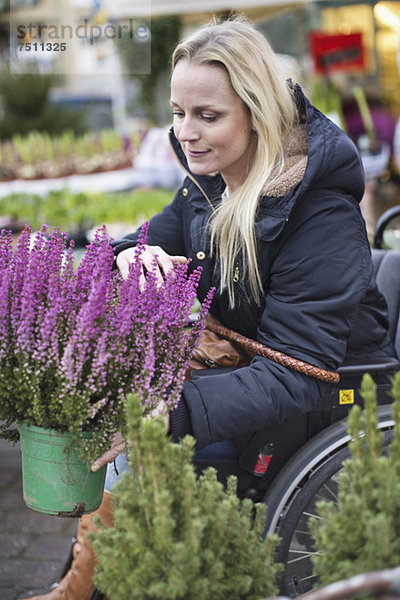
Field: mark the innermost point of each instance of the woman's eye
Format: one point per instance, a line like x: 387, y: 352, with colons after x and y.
x: 177, y: 114
x: 208, y: 118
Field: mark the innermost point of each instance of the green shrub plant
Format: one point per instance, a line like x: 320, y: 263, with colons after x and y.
x: 179, y: 536
x: 361, y: 532
x: 81, y: 211
x: 26, y: 106
x: 152, y: 100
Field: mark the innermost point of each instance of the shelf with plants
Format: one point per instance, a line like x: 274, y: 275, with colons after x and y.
x: 79, y: 212
x: 38, y: 155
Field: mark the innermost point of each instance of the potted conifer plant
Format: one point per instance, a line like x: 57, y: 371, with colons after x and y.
x: 74, y: 340
x: 361, y: 531
x: 177, y: 536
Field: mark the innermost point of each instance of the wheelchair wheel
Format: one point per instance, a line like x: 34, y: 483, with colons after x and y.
x: 387, y: 230
x: 97, y: 595
x: 310, y: 476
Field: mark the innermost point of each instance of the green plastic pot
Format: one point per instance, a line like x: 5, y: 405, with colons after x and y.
x: 55, y: 479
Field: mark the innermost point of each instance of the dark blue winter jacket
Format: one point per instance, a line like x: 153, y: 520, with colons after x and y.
x: 321, y: 302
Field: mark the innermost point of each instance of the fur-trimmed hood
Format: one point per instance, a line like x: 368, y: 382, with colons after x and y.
x: 295, y: 148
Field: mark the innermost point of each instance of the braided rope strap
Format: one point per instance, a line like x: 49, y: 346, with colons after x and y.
x: 279, y: 357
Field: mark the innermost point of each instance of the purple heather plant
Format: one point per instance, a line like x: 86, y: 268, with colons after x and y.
x: 75, y: 342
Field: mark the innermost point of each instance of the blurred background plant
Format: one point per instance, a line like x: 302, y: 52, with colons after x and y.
x: 78, y: 212
x: 153, y: 95
x: 326, y: 97
x: 26, y: 106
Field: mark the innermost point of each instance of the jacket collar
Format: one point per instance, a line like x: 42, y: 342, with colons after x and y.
x: 211, y: 186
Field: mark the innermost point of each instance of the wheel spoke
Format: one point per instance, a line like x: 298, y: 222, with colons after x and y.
x: 299, y: 571
x: 310, y: 515
x: 331, y: 493
x: 304, y: 555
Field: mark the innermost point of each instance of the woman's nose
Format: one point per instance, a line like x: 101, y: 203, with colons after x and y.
x: 187, y: 131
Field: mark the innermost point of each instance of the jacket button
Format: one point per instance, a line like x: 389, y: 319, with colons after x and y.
x: 200, y: 255
x: 185, y: 192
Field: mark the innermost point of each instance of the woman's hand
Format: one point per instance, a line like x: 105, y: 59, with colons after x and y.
x: 160, y: 411
x: 117, y: 447
x: 152, y: 255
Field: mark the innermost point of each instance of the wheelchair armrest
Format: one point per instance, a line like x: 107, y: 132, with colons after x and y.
x: 380, y: 365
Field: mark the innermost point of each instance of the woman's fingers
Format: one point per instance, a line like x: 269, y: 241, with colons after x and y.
x: 117, y: 447
x: 160, y: 263
x: 124, y: 260
x: 160, y: 411
x: 153, y: 259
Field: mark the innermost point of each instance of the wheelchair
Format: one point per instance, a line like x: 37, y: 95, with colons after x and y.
x: 302, y: 459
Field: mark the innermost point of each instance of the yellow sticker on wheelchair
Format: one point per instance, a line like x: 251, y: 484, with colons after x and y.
x: 346, y: 397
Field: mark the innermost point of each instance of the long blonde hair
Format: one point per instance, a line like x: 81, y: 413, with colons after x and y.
x: 253, y: 69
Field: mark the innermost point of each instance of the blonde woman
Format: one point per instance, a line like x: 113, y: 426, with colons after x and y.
x: 270, y: 210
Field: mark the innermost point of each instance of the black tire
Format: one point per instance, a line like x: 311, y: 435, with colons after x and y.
x: 389, y: 217
x: 310, y: 476
x: 97, y: 595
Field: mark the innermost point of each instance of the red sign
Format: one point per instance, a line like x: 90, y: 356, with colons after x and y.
x: 336, y: 52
